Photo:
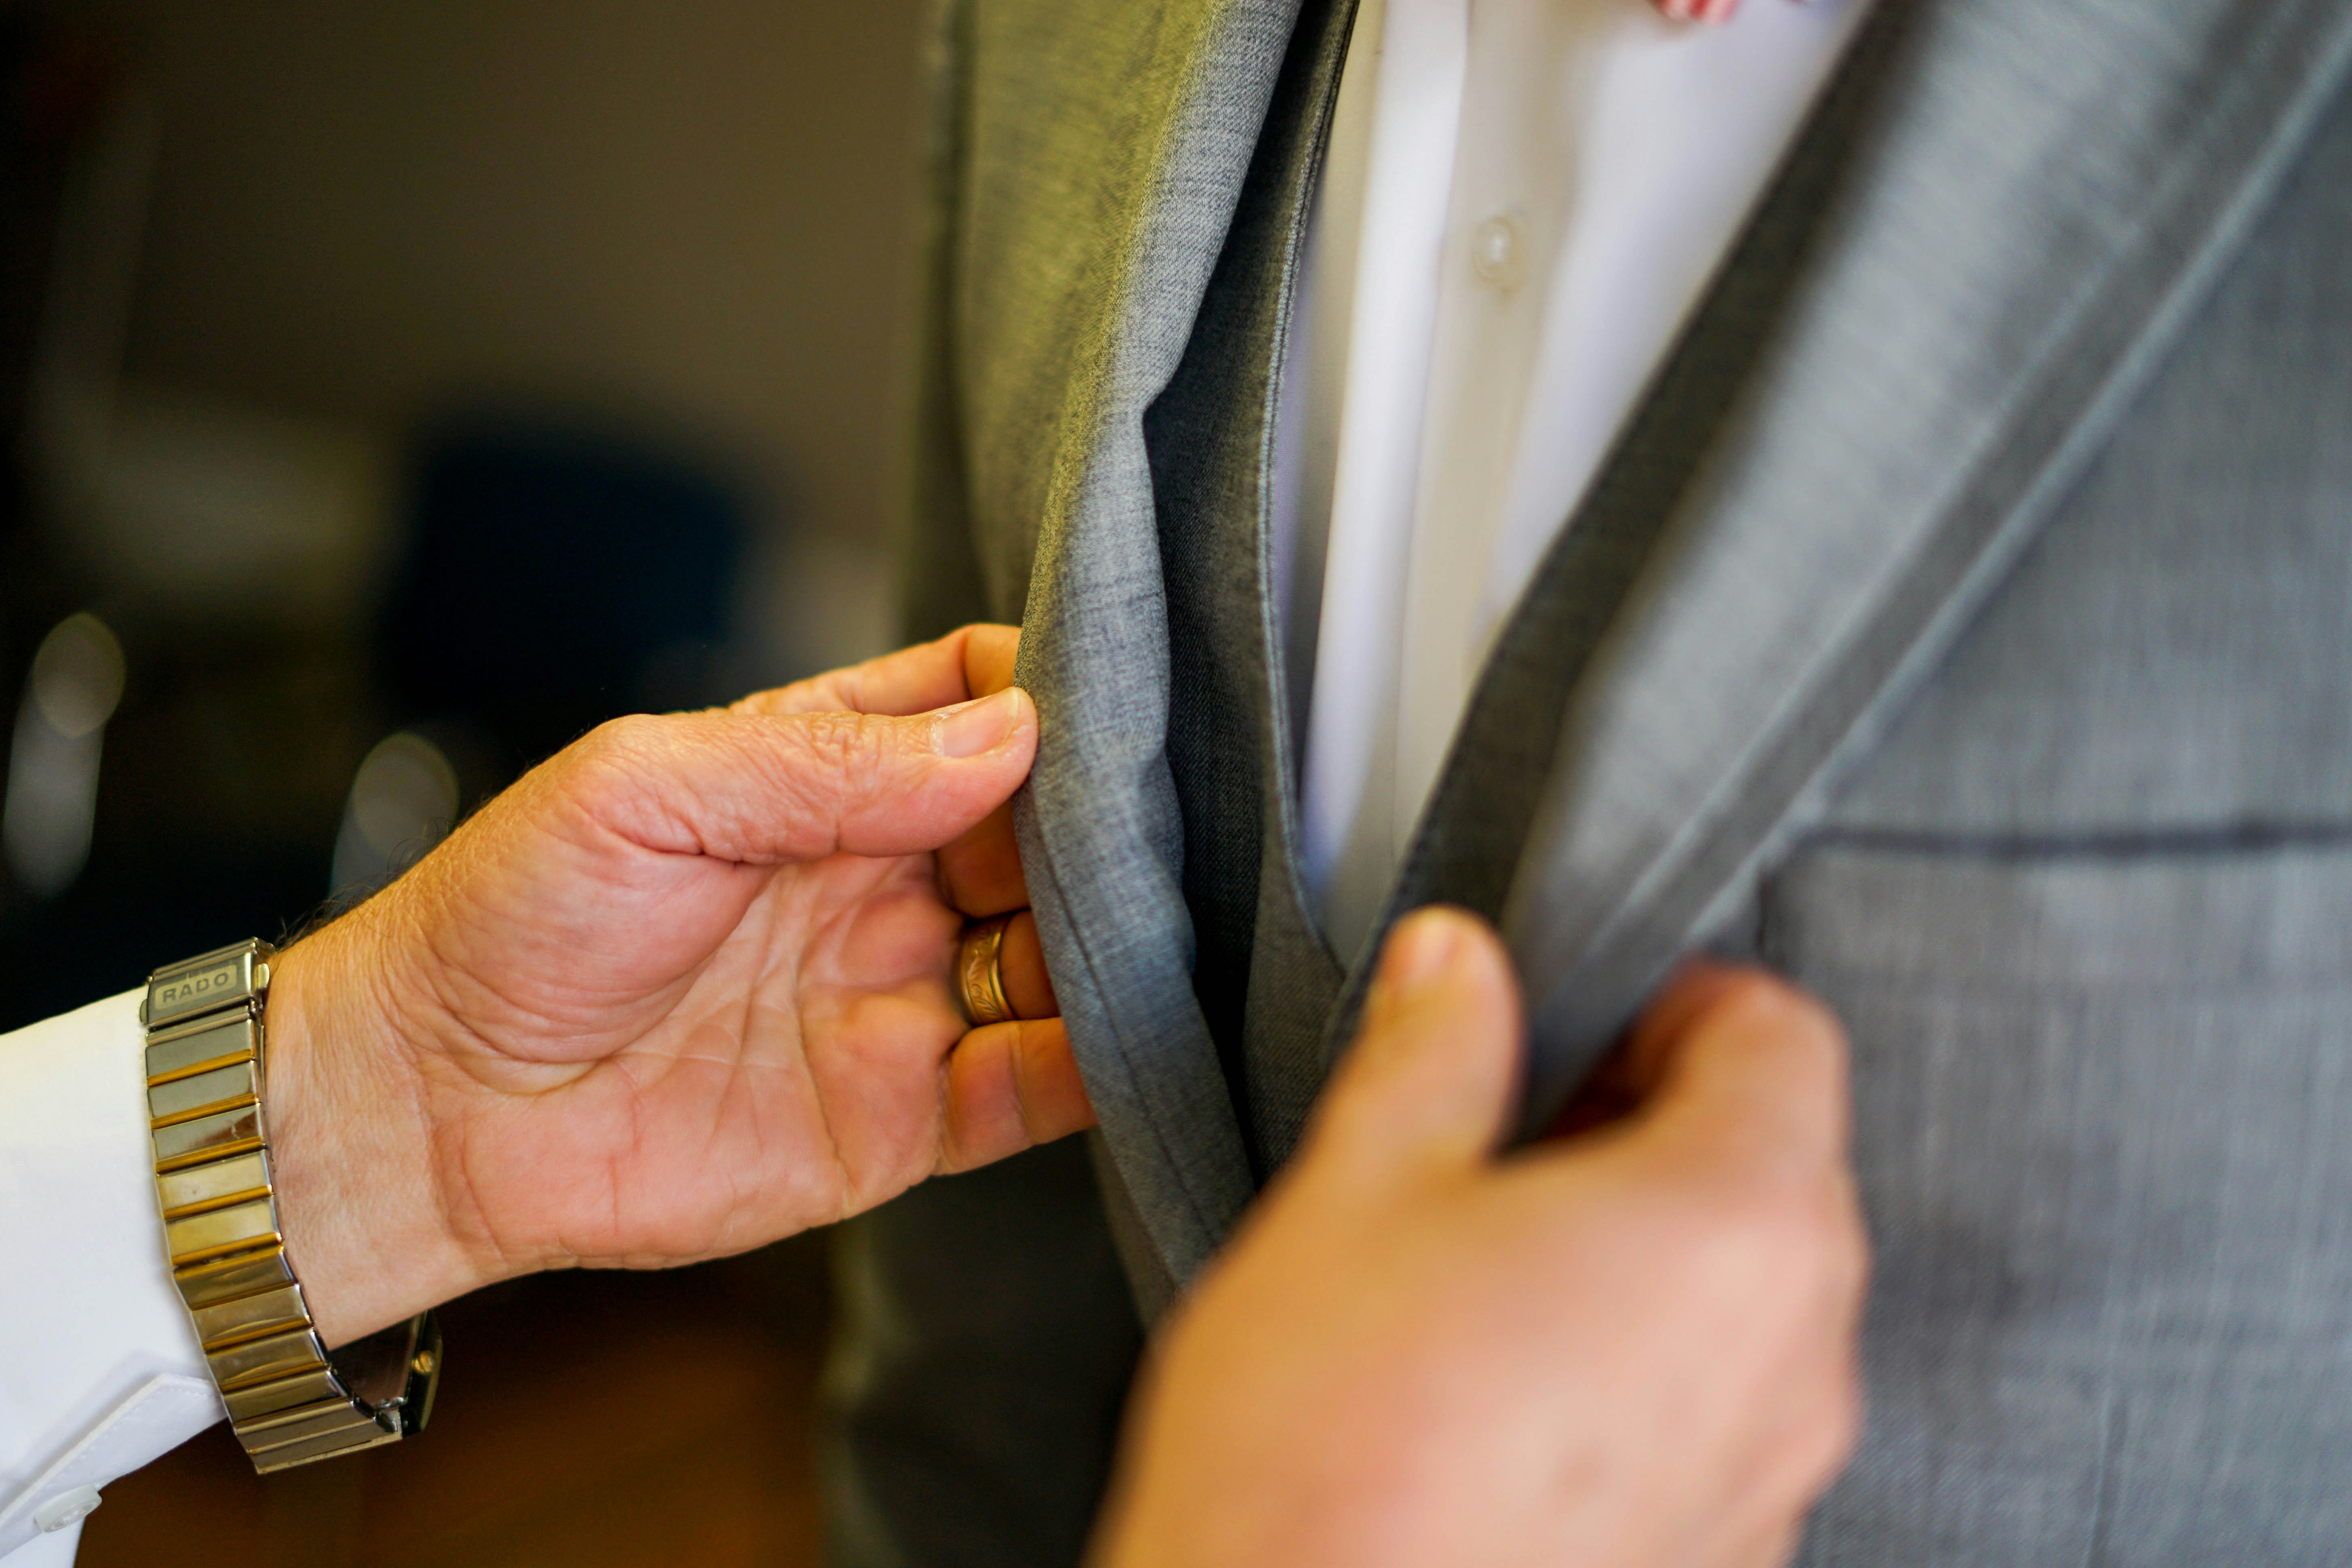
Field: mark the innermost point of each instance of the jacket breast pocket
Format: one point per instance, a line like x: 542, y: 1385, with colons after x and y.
x: 2104, y: 1132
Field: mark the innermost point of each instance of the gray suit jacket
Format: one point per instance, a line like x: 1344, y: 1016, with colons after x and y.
x: 1965, y: 625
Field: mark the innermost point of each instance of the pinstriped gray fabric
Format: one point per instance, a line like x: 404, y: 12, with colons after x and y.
x: 1264, y: 976
x: 2100, y: 1103
x: 2086, y: 912
x: 1082, y: 162
x: 2080, y: 900
x: 1103, y: 151
x: 1855, y: 511
x: 1799, y: 520
x: 1797, y: 500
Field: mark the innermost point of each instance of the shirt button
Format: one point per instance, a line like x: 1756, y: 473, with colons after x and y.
x: 66, y: 1508
x: 1498, y: 253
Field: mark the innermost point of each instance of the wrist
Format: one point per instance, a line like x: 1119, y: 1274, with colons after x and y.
x: 351, y: 1135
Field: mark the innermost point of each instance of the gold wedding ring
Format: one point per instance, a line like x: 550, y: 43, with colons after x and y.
x: 980, y: 971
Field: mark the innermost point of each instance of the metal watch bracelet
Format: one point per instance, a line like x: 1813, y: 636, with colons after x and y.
x: 290, y: 1401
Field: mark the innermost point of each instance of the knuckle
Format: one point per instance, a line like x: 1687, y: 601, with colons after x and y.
x: 990, y: 638
x: 1750, y: 987
x: 630, y: 735
x: 777, y: 700
x: 1795, y: 1228
x: 615, y: 753
x: 1785, y: 1229
x: 847, y: 748
x: 1763, y: 1004
x: 624, y: 774
x: 1847, y: 1263
x: 840, y: 756
x: 1827, y: 1232
x: 1833, y: 1436
x: 1847, y: 1420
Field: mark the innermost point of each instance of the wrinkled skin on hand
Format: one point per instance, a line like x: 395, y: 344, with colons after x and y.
x: 683, y: 989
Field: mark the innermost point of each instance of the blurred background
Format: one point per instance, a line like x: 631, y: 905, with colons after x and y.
x: 394, y: 391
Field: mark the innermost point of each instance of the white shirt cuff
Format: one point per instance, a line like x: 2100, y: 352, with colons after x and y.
x: 101, y: 1372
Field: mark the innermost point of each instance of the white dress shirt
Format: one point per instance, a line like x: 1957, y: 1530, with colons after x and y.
x: 1522, y: 201
x: 100, y: 1369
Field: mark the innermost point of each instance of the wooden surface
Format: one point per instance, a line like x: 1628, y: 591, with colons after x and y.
x: 593, y: 1420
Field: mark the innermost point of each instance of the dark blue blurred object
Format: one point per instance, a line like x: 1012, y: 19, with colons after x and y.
x: 555, y: 578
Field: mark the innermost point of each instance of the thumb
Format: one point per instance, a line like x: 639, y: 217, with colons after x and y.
x: 770, y: 788
x: 1430, y: 1078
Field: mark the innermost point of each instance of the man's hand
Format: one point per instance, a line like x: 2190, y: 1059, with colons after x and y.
x: 1634, y: 1347
x: 682, y: 990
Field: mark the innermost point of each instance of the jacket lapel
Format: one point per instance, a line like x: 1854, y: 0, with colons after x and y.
x: 1977, y: 251
x: 1105, y: 146
x: 1263, y: 976
x: 1990, y: 236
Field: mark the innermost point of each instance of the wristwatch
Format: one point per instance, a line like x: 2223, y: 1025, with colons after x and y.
x: 290, y: 1400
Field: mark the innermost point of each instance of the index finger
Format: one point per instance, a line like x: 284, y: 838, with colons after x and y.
x: 971, y: 661
x: 1741, y: 1067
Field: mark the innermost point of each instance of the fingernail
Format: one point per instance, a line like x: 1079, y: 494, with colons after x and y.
x: 1420, y: 950
x: 975, y: 727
